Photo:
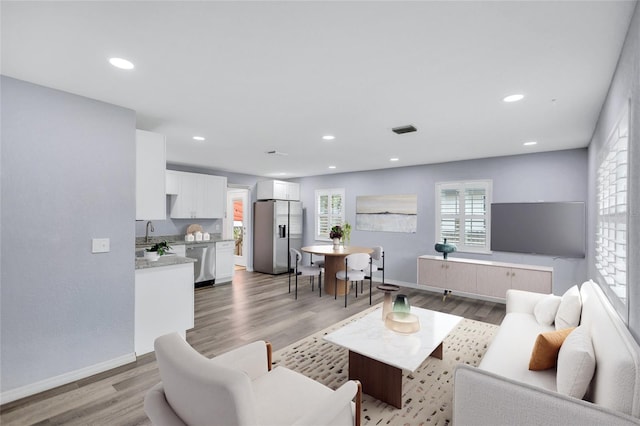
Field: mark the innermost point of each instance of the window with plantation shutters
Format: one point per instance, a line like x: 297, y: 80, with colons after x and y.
x: 612, y: 220
x: 462, y: 214
x: 329, y: 211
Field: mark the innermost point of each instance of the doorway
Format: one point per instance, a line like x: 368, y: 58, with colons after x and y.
x: 238, y: 217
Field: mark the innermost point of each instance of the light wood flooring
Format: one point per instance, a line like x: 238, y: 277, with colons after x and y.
x: 256, y: 306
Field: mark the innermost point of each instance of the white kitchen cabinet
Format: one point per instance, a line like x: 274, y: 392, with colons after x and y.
x: 185, y: 204
x: 172, y: 182
x: 198, y: 196
x: 164, y: 303
x: 278, y: 190
x: 151, y: 162
x: 224, y: 261
x: 215, y: 200
x: 476, y: 277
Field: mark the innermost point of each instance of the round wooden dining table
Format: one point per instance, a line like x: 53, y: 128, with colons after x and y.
x: 333, y: 262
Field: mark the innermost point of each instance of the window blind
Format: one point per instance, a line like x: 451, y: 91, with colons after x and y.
x: 611, y: 193
x: 462, y: 214
x: 329, y: 211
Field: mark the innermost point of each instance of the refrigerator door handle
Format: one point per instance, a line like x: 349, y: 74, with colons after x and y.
x: 282, y: 230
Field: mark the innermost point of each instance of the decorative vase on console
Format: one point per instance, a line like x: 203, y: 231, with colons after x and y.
x: 445, y: 248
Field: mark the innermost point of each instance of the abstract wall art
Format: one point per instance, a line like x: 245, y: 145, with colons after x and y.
x: 387, y: 213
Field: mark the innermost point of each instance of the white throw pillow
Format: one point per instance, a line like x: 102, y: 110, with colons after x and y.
x: 568, y: 314
x: 546, y: 309
x: 576, y: 363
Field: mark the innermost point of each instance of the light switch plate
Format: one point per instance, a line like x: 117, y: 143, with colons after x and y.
x: 100, y: 245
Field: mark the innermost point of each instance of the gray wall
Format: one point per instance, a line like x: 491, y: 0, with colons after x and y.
x: 552, y: 176
x: 68, y: 175
x: 624, y: 86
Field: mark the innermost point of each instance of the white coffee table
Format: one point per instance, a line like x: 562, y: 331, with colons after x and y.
x: 378, y: 355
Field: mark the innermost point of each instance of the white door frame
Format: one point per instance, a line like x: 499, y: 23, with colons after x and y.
x: 245, y: 194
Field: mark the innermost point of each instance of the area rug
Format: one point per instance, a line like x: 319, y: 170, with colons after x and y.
x: 427, y: 393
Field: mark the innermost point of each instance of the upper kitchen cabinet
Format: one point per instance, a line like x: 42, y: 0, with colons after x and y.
x: 196, y: 196
x: 278, y: 190
x: 172, y: 182
x: 151, y: 162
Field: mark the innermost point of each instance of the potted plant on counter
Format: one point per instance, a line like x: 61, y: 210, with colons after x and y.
x: 155, y: 251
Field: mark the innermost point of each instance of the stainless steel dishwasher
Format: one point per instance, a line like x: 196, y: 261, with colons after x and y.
x: 204, y: 269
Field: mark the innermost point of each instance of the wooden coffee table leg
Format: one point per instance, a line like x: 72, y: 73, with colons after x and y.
x: 437, y: 352
x: 378, y: 379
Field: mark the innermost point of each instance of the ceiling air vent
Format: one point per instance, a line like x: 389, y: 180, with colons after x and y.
x: 404, y: 129
x: 274, y: 152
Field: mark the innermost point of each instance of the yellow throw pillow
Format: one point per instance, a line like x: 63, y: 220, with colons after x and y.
x: 545, y: 351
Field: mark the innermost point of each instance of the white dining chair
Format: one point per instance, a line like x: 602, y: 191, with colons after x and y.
x: 319, y: 262
x: 303, y: 270
x: 354, y: 271
x: 376, y: 265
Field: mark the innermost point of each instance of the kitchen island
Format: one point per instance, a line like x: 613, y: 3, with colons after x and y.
x: 164, y: 299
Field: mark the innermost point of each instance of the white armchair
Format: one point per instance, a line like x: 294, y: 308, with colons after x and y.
x: 240, y: 388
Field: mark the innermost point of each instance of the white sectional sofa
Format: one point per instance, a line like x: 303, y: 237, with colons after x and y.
x: 503, y: 391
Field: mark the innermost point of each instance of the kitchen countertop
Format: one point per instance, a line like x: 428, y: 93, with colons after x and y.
x: 177, y: 239
x: 142, y: 263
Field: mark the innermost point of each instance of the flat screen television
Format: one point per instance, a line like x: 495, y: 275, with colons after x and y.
x: 550, y: 228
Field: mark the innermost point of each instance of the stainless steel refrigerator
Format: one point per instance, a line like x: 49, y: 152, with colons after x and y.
x: 277, y: 226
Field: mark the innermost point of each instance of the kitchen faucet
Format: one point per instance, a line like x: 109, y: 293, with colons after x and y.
x: 146, y: 235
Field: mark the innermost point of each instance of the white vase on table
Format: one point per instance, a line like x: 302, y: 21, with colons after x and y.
x: 336, y: 243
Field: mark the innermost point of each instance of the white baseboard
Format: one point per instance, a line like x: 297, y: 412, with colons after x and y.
x: 463, y: 294
x: 63, y: 379
x: 400, y: 283
x: 441, y: 291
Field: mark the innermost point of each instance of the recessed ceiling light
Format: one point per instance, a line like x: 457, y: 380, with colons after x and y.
x: 123, y: 64
x: 328, y: 137
x: 394, y: 159
x: 282, y: 174
x: 198, y: 138
x: 530, y: 143
x: 513, y: 98
x: 332, y: 167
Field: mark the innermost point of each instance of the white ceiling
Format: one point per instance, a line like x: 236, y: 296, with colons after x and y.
x: 258, y: 76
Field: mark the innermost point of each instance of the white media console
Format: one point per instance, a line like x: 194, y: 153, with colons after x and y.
x: 482, y: 278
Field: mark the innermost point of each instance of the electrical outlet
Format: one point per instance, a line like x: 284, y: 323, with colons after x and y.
x: 100, y: 245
